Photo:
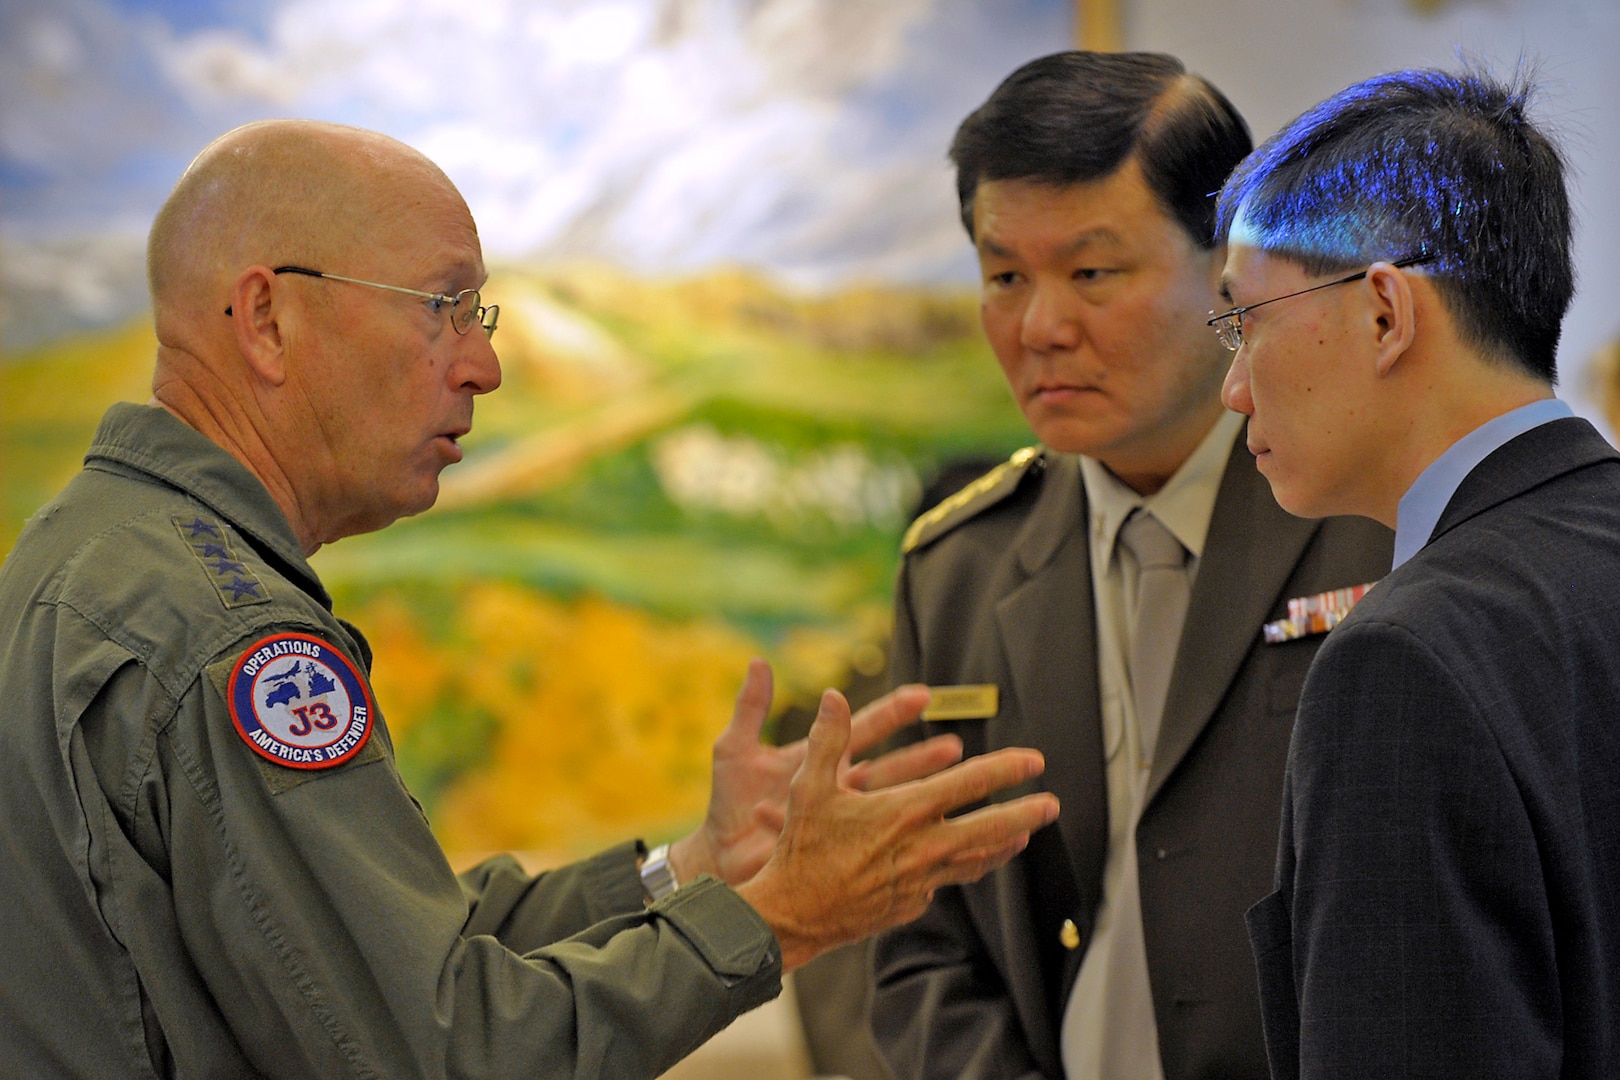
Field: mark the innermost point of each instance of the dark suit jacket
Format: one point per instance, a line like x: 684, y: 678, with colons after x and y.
x: 1448, y: 896
x: 976, y: 988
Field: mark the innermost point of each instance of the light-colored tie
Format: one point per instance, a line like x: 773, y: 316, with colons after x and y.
x: 1130, y: 1049
x: 1155, y: 625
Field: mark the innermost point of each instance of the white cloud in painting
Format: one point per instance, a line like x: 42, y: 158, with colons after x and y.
x: 85, y: 279
x: 803, y: 136
x: 702, y: 470
x: 665, y: 134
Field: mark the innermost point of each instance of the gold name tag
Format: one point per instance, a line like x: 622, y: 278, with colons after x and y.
x: 962, y: 702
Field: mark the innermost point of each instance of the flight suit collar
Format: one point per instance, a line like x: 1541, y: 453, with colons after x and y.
x: 152, y: 441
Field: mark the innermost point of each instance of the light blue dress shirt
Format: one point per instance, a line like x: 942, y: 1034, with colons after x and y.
x: 1420, y: 508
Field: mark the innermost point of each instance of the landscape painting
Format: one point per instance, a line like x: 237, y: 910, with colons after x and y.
x: 738, y: 334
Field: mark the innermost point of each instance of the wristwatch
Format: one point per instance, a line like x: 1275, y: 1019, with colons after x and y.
x: 657, y: 875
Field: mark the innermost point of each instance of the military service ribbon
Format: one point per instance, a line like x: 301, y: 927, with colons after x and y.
x: 1317, y: 614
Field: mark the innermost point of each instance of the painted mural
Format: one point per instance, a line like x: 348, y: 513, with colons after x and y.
x: 738, y: 332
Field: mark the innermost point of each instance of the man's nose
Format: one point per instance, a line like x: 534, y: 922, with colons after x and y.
x: 1235, y: 388
x: 477, y: 367
x: 1050, y: 320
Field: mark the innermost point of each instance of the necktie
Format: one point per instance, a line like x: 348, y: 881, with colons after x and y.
x: 1155, y: 626
x: 1122, y: 1031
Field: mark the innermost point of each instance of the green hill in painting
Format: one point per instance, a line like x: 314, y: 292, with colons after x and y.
x: 50, y: 400
x: 704, y: 445
x: 674, y: 476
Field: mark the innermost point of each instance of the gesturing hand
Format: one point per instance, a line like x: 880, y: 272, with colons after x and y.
x: 849, y: 863
x: 749, y: 790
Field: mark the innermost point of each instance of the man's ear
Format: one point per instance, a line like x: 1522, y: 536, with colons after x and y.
x: 1392, y: 314
x: 255, y: 316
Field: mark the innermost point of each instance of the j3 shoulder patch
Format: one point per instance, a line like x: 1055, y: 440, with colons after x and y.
x: 297, y: 701
x: 235, y: 583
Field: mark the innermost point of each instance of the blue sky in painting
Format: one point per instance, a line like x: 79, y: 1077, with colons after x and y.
x: 806, y: 137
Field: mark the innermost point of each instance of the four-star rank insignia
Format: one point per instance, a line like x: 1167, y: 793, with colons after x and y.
x: 235, y: 582
x: 299, y: 702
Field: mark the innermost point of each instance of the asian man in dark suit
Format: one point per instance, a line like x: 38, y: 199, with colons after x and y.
x: 1114, y: 945
x: 1448, y: 885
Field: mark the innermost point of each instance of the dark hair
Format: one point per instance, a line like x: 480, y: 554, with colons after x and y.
x: 1425, y: 162
x: 1073, y: 117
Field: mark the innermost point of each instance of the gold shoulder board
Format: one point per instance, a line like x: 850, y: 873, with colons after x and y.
x: 987, y: 490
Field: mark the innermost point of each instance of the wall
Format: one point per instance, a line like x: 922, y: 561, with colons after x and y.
x: 1274, y: 59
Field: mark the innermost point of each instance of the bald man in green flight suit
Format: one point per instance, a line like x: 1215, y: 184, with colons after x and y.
x: 212, y: 865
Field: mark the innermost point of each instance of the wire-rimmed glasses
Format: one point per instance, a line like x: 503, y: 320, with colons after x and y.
x: 465, y: 309
x: 1228, y: 325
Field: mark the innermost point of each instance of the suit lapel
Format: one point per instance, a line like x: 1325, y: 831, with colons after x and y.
x: 1522, y: 463
x: 1249, y: 554
x: 1048, y: 631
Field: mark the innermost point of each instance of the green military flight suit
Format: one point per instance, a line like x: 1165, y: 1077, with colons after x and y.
x: 175, y: 903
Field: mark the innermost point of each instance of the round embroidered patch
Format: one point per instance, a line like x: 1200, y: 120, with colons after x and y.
x: 298, y: 702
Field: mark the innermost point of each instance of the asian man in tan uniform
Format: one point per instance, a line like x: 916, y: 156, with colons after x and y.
x: 1107, y: 593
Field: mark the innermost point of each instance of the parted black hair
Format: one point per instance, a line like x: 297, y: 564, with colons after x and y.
x: 1074, y: 117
